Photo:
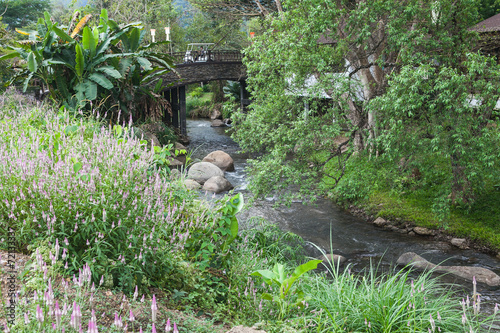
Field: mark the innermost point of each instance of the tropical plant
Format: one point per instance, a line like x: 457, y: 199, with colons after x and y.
x: 288, y: 295
x: 104, y: 65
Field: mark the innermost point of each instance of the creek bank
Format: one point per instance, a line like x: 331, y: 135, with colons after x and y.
x: 409, y: 227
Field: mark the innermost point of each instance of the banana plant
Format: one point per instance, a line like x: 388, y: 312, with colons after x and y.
x: 89, y: 64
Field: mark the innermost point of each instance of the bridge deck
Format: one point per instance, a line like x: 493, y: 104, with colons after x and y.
x: 214, y: 56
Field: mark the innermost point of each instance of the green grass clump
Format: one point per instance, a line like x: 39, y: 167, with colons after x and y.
x: 391, y: 302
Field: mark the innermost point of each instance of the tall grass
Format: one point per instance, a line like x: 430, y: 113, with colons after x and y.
x: 393, y: 302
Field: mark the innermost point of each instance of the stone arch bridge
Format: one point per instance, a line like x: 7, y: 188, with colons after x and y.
x: 220, y: 65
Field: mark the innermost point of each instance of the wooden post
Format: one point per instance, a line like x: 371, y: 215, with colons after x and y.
x: 182, y: 109
x: 175, y: 107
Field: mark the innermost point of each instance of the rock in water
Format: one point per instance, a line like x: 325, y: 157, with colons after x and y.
x: 482, y: 275
x: 415, y: 260
x: 459, y: 242
x: 203, y: 171
x: 221, y: 159
x: 334, y: 259
x: 423, y: 231
x: 217, y: 184
x: 217, y: 123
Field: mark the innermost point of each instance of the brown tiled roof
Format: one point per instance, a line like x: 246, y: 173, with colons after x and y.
x: 490, y: 24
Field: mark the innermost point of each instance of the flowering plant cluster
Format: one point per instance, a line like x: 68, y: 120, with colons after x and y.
x: 72, y: 181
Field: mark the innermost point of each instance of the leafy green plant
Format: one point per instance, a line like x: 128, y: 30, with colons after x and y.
x: 196, y: 92
x: 222, y: 234
x: 286, y: 286
x: 104, y: 64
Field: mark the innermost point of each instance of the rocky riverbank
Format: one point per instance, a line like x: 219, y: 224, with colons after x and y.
x: 409, y: 227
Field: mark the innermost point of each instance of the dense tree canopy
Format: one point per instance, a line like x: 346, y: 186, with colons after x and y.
x: 304, y: 114
x: 488, y: 8
x: 20, y: 13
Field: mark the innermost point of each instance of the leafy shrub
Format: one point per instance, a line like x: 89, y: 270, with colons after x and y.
x: 197, y: 107
x: 196, y: 92
x: 104, y: 65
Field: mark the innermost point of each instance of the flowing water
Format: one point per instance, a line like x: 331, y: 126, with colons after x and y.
x: 329, y: 226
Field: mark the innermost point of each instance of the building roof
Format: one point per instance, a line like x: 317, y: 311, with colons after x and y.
x: 490, y: 24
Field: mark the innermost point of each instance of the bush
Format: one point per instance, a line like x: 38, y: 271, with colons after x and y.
x: 197, y: 107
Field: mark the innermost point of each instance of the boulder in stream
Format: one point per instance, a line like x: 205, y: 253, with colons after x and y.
x: 217, y: 123
x: 221, y: 159
x: 192, y: 184
x: 334, y: 259
x: 483, y: 275
x: 203, y: 171
x: 217, y: 184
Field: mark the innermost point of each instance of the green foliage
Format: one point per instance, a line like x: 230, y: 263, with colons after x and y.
x: 105, y: 65
x: 232, y: 97
x: 307, y: 90
x: 21, y: 13
x: 199, y: 105
x: 206, y: 28
x: 232, y: 89
x: 488, y: 8
x: 286, y: 286
x: 430, y: 112
x: 196, y: 92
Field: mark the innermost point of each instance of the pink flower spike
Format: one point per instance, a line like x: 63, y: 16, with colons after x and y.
x: 131, y: 317
x: 153, y: 329
x: 136, y: 292
x: 6, y: 328
x: 26, y: 318
x: 58, y: 314
x: 168, y: 328
x: 175, y: 328
x: 154, y: 308
x: 39, y: 314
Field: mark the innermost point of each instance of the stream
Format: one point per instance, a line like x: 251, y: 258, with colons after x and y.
x: 360, y: 242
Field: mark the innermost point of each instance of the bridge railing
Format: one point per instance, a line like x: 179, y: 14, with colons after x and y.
x: 214, y: 55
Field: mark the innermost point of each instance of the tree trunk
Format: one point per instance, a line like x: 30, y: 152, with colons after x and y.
x: 460, y: 188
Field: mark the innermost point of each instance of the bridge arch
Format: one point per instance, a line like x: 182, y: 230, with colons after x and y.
x: 222, y: 65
